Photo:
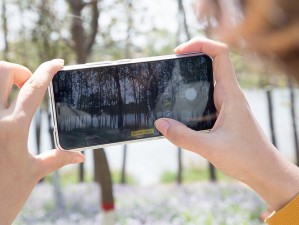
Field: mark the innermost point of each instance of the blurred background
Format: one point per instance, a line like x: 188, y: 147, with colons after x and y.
x: 149, y: 182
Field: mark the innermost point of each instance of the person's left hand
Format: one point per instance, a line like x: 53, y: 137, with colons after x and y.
x: 19, y: 170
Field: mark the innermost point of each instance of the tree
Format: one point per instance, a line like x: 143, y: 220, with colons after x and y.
x: 103, y: 176
x: 5, y: 30
x: 82, y: 38
x: 182, y: 23
x: 129, y: 15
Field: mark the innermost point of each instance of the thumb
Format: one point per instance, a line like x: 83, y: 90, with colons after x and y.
x: 52, y: 160
x: 182, y: 136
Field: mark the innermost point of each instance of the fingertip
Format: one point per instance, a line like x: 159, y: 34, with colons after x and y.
x: 193, y: 45
x: 179, y: 48
x: 69, y: 157
x: 171, y: 129
x: 181, y: 135
x: 48, y: 69
x: 78, y: 158
x: 51, y: 66
x: 20, y: 73
x: 52, y: 160
x: 59, y: 62
x: 20, y: 79
x: 162, y: 125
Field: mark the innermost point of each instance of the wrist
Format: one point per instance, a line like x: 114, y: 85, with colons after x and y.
x: 15, y: 189
x: 278, y: 180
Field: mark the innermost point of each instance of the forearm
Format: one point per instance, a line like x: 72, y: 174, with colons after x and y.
x: 278, y: 180
x: 15, y: 189
x: 12, y: 201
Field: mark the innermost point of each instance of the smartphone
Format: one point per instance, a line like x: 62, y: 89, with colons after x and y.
x: 98, y: 104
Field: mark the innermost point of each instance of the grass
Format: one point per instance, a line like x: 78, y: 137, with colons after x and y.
x: 71, y: 176
x: 192, y: 174
x: 116, y: 178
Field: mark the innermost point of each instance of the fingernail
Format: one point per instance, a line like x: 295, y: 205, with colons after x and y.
x: 179, y: 47
x: 162, y: 125
x: 59, y: 61
x: 78, y: 159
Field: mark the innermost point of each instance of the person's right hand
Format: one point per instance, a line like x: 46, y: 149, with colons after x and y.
x: 236, y: 144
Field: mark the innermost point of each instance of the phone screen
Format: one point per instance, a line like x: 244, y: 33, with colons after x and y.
x: 119, y: 103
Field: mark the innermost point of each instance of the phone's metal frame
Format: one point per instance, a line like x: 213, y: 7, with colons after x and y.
x: 105, y: 64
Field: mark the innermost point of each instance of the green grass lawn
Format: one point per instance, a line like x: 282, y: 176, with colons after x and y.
x: 192, y: 174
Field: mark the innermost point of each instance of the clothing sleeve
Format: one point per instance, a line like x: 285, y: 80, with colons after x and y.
x: 288, y: 215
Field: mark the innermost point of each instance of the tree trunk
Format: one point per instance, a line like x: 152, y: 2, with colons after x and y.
x: 119, y: 103
x: 294, y: 123
x: 212, y: 172
x: 123, y: 171
x: 180, y: 167
x: 183, y: 19
x: 129, y: 28
x: 83, y: 41
x: 58, y: 196
x: 182, y: 23
x: 38, y: 120
x: 271, y: 119
x: 5, y: 31
x: 103, y: 177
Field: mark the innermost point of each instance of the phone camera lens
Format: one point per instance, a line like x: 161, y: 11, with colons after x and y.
x: 190, y: 94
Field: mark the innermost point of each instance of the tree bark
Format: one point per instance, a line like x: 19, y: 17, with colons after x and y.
x: 103, y: 177
x: 123, y: 171
x: 182, y: 22
x: 83, y: 42
x: 180, y: 167
x: 58, y: 195
x: 5, y: 31
x: 294, y: 123
x: 271, y: 118
x: 38, y: 120
x: 183, y: 19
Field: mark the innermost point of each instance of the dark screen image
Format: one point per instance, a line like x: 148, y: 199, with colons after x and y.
x: 119, y: 103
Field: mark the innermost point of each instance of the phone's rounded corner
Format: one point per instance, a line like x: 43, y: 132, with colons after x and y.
x: 59, y: 147
x: 57, y: 143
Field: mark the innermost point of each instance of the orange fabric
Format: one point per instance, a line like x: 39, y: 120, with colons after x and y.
x: 288, y: 215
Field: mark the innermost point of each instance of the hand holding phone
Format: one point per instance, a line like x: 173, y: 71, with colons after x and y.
x: 236, y: 145
x: 96, y: 105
